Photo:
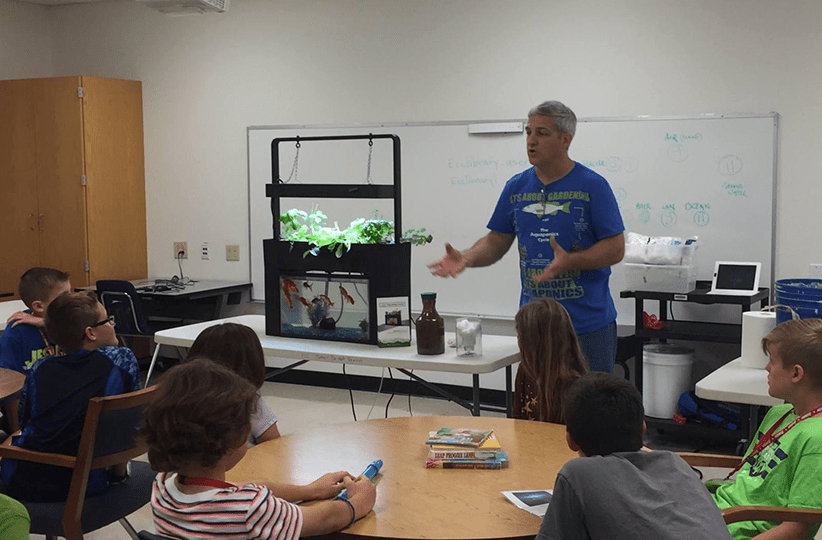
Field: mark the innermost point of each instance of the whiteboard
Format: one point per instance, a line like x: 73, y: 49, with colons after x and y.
x: 710, y: 176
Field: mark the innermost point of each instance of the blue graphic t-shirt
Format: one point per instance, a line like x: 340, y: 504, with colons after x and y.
x: 22, y: 345
x: 578, y: 210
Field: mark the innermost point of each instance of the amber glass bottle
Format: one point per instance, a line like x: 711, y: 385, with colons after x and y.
x: 430, y: 327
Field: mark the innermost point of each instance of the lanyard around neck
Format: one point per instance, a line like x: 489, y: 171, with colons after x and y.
x: 770, y: 437
x: 49, y: 349
x: 203, y: 481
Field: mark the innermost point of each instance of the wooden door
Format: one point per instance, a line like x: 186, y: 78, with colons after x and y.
x: 18, y: 183
x: 61, y: 195
x: 115, y: 169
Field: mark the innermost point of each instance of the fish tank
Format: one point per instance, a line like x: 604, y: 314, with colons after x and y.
x: 334, y: 298
x: 324, y: 306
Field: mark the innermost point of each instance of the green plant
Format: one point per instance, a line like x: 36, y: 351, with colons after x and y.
x: 301, y: 226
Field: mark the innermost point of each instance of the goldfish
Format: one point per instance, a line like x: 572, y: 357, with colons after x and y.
x: 305, y: 302
x: 347, y: 297
x: 327, y: 299
x: 289, y: 287
x: 307, y: 285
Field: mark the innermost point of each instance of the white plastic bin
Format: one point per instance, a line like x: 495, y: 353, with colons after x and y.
x: 680, y: 255
x: 666, y: 374
x: 660, y: 277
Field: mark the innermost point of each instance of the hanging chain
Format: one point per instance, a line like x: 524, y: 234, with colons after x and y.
x: 295, y: 166
x: 370, y: 151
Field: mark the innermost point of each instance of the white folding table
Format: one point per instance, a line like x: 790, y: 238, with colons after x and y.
x: 497, y: 352
x: 7, y: 309
x: 736, y: 383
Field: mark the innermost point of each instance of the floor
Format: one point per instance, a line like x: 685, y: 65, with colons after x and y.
x: 301, y: 408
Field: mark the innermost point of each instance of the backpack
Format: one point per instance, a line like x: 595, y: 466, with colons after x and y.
x: 726, y: 415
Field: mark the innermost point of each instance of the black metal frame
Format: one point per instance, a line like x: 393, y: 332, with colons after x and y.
x: 386, y: 266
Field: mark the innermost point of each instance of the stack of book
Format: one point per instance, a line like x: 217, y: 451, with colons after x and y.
x: 464, y: 448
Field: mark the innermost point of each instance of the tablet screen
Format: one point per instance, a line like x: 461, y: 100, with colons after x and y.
x: 736, y: 277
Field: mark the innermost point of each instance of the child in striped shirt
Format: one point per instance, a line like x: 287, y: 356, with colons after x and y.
x: 197, y: 428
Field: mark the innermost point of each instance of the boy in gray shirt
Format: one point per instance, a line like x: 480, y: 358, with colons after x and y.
x: 615, y: 490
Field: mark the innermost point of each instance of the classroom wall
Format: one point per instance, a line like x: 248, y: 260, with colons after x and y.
x: 340, y: 61
x: 25, y: 41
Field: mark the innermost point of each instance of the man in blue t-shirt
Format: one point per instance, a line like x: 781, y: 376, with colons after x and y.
x: 569, y: 232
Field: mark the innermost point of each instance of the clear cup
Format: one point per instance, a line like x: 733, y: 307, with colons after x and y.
x: 469, y: 336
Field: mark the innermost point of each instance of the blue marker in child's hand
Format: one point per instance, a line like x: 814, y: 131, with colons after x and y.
x: 370, y: 472
x: 373, y: 468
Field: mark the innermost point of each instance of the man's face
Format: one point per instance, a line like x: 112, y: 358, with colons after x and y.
x: 779, y: 375
x: 544, y: 143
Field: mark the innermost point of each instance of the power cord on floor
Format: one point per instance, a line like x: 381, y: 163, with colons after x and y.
x: 393, y: 391
x: 377, y: 395
x: 410, y: 387
x: 350, y: 393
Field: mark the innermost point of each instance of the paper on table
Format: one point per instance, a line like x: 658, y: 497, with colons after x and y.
x: 534, y: 501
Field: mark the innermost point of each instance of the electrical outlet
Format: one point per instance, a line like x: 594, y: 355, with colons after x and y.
x: 204, y: 251
x: 181, y: 247
x: 232, y: 252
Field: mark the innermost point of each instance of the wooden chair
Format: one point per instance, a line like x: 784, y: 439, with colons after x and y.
x: 109, y: 437
x: 749, y: 513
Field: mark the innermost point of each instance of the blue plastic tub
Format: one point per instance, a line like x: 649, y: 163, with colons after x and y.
x: 803, y: 295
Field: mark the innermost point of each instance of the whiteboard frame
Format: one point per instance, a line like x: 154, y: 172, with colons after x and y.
x: 774, y: 116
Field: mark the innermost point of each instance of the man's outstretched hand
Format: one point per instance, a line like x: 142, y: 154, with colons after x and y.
x: 560, y: 264
x: 452, y: 264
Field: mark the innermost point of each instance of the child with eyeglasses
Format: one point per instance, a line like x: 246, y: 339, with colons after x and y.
x: 57, y: 392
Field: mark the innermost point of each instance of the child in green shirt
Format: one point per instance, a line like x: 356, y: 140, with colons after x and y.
x: 784, y: 466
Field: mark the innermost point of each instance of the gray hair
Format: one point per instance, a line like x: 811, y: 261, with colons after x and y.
x: 564, y: 118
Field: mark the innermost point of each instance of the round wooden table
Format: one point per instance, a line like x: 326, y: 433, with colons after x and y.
x: 414, y: 502
x: 11, y: 384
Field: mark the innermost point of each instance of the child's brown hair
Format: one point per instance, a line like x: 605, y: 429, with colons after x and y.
x: 200, y: 413
x: 37, y: 283
x: 234, y: 346
x: 550, y: 354
x: 800, y: 342
x: 68, y: 316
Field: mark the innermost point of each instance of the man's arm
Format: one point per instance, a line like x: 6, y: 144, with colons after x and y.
x: 606, y: 252
x: 485, y: 252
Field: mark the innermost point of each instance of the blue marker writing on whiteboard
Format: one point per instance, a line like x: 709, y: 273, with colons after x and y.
x: 370, y: 472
